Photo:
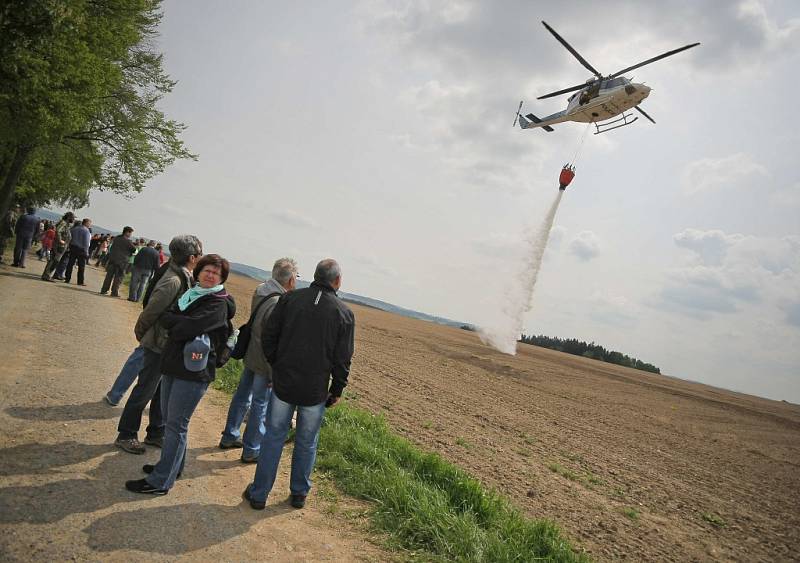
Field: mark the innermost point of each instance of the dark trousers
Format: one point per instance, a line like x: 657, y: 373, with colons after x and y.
x: 76, y: 255
x: 114, y: 275
x: 147, y: 390
x: 21, y: 250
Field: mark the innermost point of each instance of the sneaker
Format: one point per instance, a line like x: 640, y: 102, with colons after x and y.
x: 109, y: 401
x: 157, y: 441
x: 254, y: 504
x: 131, y: 445
x: 297, y: 501
x: 223, y: 445
x: 143, y: 487
x: 149, y: 468
x: 249, y: 458
x: 103, y: 293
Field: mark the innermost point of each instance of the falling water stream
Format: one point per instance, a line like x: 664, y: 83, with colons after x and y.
x: 504, y: 334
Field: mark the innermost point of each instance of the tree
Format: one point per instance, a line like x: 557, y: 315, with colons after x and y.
x: 79, y: 87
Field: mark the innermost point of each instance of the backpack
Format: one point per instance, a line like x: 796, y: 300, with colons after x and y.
x: 245, y: 331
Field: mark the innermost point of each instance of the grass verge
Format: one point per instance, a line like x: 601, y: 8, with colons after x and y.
x: 423, y: 502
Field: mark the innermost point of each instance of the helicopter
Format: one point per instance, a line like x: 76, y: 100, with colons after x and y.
x: 599, y: 99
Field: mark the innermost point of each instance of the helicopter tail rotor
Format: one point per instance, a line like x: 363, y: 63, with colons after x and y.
x: 516, y: 117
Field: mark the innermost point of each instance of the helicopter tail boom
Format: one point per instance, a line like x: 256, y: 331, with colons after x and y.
x: 530, y: 121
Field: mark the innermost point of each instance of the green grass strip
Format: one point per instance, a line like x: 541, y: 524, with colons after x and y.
x: 425, y: 503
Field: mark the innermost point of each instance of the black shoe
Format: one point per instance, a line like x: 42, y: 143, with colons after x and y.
x: 298, y: 501
x: 149, y: 468
x: 249, y: 459
x: 223, y: 445
x: 157, y: 441
x: 254, y: 504
x: 143, y: 487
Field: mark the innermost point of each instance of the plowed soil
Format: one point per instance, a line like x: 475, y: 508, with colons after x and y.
x: 632, y: 465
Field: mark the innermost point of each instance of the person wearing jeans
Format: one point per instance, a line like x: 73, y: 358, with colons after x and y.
x: 308, y: 341
x: 144, y: 266
x: 253, y: 392
x: 127, y: 375
x: 198, y: 331
x: 256, y: 379
x: 279, y: 420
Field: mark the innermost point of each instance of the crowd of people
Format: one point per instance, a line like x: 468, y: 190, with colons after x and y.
x: 296, y: 348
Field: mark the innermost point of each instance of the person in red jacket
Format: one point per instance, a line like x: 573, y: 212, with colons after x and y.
x: 47, y: 243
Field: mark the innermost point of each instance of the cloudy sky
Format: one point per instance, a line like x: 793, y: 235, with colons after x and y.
x: 379, y: 133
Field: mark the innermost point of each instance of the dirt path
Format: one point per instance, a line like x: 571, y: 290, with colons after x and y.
x: 61, y: 479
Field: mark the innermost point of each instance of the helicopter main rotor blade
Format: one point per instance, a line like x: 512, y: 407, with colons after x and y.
x: 575, y: 53
x: 564, y: 91
x: 644, y: 113
x: 654, y: 59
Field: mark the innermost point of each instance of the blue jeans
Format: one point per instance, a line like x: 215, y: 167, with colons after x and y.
x: 279, y: 419
x: 139, y: 279
x: 127, y: 375
x: 253, y: 386
x: 179, y: 399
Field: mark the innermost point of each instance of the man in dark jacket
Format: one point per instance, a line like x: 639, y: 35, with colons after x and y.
x: 121, y: 250
x: 308, y: 342
x: 25, y: 229
x: 144, y: 266
x: 81, y: 237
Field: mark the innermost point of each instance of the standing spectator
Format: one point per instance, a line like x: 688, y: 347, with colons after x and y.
x: 102, y: 250
x: 7, y: 228
x: 152, y: 336
x: 308, y: 340
x: 144, y: 266
x: 198, y: 329
x: 137, y: 246
x: 161, y: 256
x: 60, y: 244
x: 121, y: 250
x: 47, y: 242
x: 62, y: 264
x: 26, y: 228
x: 79, y: 250
x: 96, y: 238
x: 255, y: 384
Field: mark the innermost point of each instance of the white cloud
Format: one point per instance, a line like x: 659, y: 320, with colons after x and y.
x: 711, y: 246
x: 585, y: 246
x: 292, y: 218
x: 733, y: 271
x: 726, y: 172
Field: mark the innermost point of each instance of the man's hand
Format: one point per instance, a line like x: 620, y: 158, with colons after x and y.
x: 331, y: 401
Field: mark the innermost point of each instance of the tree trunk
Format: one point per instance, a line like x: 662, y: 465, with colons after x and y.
x: 11, y: 175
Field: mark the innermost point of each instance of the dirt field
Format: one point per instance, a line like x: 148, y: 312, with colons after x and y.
x: 632, y: 465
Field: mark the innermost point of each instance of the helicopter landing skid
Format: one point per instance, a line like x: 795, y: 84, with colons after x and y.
x: 626, y: 119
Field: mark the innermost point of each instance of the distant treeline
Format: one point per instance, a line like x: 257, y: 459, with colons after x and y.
x: 592, y: 350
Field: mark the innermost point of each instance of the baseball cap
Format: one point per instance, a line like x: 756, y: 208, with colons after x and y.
x: 195, y: 353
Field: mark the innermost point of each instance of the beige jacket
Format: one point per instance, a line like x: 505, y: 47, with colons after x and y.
x: 149, y: 332
x: 254, y: 357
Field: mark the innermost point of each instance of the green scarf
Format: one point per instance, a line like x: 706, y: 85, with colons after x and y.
x: 195, y: 293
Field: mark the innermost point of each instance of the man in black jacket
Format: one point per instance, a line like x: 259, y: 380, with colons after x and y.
x: 118, y: 255
x: 308, y: 342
